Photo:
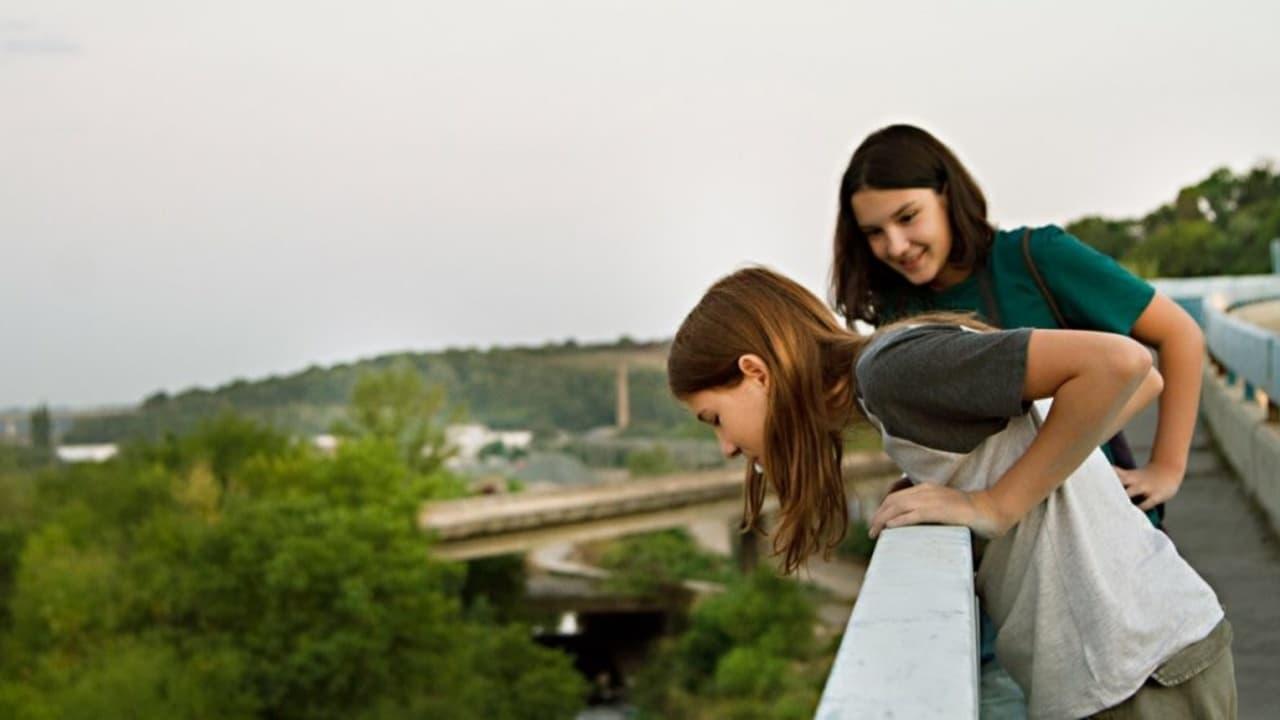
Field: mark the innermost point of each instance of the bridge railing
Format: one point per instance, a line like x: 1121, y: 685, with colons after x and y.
x: 1245, y: 359
x: 1241, y: 349
x: 915, y: 622
x: 911, y: 647
x: 1246, y: 352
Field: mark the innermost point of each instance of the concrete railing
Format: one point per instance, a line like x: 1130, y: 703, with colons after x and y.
x: 1245, y: 351
x: 1242, y: 349
x: 1197, y: 295
x: 911, y: 646
x: 1249, y: 358
x: 1248, y: 442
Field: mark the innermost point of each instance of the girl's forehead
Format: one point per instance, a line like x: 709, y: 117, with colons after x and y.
x: 876, y: 196
x: 707, y: 399
x: 699, y: 399
x: 874, y: 206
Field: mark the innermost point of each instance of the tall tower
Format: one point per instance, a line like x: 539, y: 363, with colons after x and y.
x: 624, y: 398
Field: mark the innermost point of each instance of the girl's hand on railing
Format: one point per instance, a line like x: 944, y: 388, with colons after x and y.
x: 928, y: 503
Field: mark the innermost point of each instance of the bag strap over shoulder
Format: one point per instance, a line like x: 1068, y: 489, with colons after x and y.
x: 990, y: 306
x: 1044, y: 289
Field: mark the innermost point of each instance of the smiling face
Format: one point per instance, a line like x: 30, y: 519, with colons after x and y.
x: 908, y: 230
x: 737, y: 412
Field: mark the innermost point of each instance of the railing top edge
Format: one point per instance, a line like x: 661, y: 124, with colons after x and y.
x: 915, y: 616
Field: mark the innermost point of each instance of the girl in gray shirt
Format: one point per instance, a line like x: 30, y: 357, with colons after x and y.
x: 1094, y: 609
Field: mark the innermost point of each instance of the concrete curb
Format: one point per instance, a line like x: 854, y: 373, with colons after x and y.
x: 1250, y: 445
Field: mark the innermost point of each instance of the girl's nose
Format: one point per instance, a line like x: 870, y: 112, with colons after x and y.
x: 897, y: 243
x: 727, y: 448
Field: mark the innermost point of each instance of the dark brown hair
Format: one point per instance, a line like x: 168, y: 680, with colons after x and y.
x: 892, y: 158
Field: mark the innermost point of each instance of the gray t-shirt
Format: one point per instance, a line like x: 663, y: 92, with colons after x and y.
x: 943, y: 386
x: 1088, y: 599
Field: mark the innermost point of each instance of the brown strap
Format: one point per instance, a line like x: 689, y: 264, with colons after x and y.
x: 989, y: 298
x: 1044, y: 289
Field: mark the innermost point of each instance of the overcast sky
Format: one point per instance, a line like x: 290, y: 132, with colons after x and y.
x: 192, y: 192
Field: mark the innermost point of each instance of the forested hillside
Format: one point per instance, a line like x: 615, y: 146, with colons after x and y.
x: 559, y: 386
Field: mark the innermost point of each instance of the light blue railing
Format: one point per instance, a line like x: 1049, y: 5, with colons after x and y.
x: 1243, y: 350
x: 1244, y: 359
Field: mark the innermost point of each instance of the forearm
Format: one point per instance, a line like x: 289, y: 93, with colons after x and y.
x: 1090, y: 398
x: 1180, y: 364
x: 1097, y: 381
x: 1149, y: 390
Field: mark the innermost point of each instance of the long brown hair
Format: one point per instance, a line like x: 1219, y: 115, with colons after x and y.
x: 893, y: 158
x: 810, y: 359
x: 811, y: 395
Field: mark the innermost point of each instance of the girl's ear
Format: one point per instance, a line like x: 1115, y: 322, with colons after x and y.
x: 753, y: 368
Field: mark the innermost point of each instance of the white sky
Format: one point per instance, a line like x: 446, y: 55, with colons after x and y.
x: 193, y: 192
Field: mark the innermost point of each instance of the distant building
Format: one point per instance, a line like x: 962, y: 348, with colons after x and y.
x: 86, y: 453
x: 327, y: 444
x: 470, y: 439
x: 467, y: 439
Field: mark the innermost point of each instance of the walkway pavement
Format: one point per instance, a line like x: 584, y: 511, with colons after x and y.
x: 1224, y: 535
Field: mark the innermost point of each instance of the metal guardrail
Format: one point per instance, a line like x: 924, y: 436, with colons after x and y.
x: 1246, y: 351
x: 911, y: 646
x: 1243, y: 350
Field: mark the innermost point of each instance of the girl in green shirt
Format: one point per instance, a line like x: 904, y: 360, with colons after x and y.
x: 912, y: 234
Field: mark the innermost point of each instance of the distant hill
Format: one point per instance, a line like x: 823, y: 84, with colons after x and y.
x: 562, y: 386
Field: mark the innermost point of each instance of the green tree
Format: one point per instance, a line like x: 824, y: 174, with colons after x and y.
x: 650, y: 461
x: 1110, y: 237
x: 42, y: 428
x: 300, y: 587
x: 228, y: 441
x: 395, y: 405
x: 747, y: 653
x: 1186, y: 248
x: 654, y: 563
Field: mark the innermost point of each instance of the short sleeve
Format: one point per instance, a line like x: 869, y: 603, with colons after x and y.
x: 1093, y: 291
x: 943, y: 386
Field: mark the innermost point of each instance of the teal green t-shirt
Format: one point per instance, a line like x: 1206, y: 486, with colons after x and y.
x: 1092, y: 290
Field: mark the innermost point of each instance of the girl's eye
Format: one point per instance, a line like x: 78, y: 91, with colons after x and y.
x: 906, y: 219
x: 716, y: 421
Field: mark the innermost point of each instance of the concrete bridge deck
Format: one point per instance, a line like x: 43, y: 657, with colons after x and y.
x: 498, y: 524
x: 1224, y: 535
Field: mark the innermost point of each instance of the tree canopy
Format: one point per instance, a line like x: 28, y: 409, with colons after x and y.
x: 1222, y: 225
x: 231, y: 573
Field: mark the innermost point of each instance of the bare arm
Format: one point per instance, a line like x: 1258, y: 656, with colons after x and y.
x: 1097, y: 381
x: 1150, y: 388
x: 1092, y: 378
x: 1175, y: 335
